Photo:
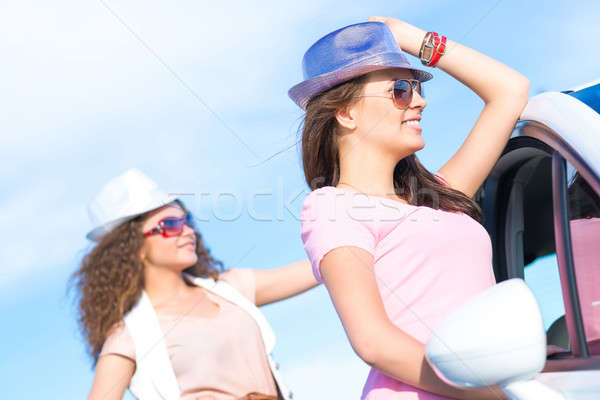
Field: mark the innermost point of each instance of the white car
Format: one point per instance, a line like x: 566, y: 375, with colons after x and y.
x: 542, y: 210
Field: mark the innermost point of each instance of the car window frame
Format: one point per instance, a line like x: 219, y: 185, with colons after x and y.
x: 564, y: 254
x: 532, y: 138
x: 496, y: 190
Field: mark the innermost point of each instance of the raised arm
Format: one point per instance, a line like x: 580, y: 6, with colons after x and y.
x: 280, y: 283
x: 503, y: 90
x: 112, y: 377
x: 349, y: 278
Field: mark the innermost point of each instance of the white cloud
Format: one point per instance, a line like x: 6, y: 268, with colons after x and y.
x: 40, y: 229
x: 73, y: 66
x: 83, y: 100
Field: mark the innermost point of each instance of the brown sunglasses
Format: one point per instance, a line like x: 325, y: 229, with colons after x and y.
x: 402, y: 92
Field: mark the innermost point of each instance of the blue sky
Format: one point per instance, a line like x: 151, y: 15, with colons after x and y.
x: 195, y: 95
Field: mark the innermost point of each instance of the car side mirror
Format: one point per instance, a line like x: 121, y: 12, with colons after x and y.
x: 495, y: 338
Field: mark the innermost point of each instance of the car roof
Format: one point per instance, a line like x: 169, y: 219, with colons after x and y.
x: 573, y: 115
x: 585, y: 85
x: 589, y: 94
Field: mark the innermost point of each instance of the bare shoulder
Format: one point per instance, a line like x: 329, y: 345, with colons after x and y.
x: 242, y: 279
x: 112, y: 377
x: 236, y: 276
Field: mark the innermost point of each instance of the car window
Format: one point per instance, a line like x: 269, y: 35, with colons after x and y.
x: 584, y: 222
x: 542, y: 277
x: 530, y: 245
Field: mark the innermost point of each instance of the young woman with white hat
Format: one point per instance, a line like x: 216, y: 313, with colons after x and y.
x: 158, y: 313
x: 397, y: 247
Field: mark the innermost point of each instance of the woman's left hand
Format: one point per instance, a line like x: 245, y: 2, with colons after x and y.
x: 386, y: 20
x: 408, y: 37
x: 392, y: 23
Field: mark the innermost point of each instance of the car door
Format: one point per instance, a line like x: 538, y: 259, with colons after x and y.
x: 518, y: 211
x: 541, y: 206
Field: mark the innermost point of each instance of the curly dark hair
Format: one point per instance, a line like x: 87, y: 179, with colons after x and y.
x: 110, y: 279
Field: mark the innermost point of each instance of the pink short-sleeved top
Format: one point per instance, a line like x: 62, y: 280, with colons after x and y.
x: 218, y: 358
x: 427, y: 262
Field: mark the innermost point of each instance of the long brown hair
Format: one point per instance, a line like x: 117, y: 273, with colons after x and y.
x: 110, y: 279
x: 320, y: 156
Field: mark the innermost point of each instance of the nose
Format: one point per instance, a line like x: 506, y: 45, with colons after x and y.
x: 187, y: 231
x: 418, y: 101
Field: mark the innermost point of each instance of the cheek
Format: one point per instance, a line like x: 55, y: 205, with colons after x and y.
x: 376, y: 118
x: 383, y: 125
x: 166, y: 253
x: 160, y: 252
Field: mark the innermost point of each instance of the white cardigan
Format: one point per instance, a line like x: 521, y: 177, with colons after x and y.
x: 154, y: 378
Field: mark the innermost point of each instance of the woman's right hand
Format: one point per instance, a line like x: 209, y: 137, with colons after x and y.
x: 552, y: 349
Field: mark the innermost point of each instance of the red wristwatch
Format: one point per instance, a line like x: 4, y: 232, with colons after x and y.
x: 432, y: 49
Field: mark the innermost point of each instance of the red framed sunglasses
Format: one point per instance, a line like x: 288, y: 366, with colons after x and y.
x: 402, y: 92
x: 171, y: 226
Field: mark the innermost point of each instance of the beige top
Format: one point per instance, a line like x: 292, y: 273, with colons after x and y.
x: 216, y: 350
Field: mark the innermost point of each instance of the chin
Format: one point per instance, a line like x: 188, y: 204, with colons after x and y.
x: 417, y: 143
x: 187, y: 262
x: 407, y: 149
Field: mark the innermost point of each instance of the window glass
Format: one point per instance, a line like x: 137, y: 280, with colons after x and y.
x: 530, y: 244
x: 584, y: 221
x: 543, y: 279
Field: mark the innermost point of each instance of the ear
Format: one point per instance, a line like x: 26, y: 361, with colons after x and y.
x: 346, y: 117
x: 142, y: 253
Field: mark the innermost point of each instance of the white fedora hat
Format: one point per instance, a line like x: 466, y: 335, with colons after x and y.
x: 122, y: 199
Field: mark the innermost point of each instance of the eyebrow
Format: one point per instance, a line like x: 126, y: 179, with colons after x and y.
x: 173, y: 216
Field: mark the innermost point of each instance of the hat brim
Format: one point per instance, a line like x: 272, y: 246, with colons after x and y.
x: 95, y: 234
x: 306, y: 90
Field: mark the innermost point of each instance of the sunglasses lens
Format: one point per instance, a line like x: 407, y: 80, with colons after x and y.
x: 402, y: 93
x: 172, y: 226
x: 189, y: 221
x: 420, y: 90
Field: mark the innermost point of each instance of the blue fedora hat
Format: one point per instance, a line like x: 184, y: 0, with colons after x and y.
x: 346, y: 53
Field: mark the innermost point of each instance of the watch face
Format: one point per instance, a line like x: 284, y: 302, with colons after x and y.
x: 427, y: 52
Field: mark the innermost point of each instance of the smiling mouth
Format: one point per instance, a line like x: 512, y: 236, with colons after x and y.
x: 412, y: 123
x: 414, y: 127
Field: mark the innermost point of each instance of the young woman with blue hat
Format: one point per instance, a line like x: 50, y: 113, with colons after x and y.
x: 398, y: 247
x: 158, y: 313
